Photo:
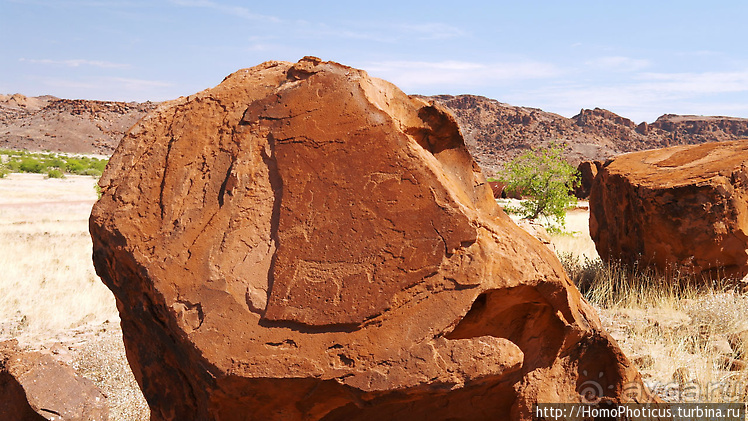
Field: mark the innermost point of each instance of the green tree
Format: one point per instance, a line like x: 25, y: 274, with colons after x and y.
x: 546, y: 178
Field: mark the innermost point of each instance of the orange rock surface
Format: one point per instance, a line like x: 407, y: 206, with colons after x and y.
x: 684, y: 207
x: 587, y: 171
x: 34, y: 386
x: 304, y: 242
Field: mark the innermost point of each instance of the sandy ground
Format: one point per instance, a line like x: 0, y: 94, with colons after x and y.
x: 574, y: 237
x: 50, y: 297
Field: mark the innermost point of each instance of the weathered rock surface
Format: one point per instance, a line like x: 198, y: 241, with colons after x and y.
x: 537, y: 230
x: 685, y: 206
x: 33, y: 386
x: 306, y: 242
x: 496, y: 132
x: 587, y: 172
x: 66, y: 125
x: 497, y: 189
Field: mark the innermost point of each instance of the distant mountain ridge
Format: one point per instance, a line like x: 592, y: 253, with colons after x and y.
x: 494, y: 131
x: 66, y: 125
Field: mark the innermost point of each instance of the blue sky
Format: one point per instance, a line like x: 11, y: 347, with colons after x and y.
x: 639, y: 59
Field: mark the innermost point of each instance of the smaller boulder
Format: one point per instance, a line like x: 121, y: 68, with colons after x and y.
x: 681, y: 208
x: 643, y: 128
x: 497, y: 188
x: 587, y: 173
x: 512, y: 193
x: 34, y: 386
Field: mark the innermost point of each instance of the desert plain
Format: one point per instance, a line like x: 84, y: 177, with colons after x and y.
x: 50, y: 297
x: 51, y: 300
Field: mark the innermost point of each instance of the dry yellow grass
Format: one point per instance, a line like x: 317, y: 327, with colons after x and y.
x: 575, y: 237
x: 675, y: 332
x: 48, y: 283
x: 50, y: 296
x: 49, y: 293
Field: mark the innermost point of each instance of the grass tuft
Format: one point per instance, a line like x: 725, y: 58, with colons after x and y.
x: 677, y: 330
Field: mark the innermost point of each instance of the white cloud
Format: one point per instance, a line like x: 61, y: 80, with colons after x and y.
x: 696, y: 83
x: 383, y: 32
x: 76, y: 63
x: 618, y: 63
x: 77, y: 3
x: 139, y: 84
x: 107, y: 88
x: 419, y: 74
x: 431, y: 31
x: 237, y: 11
x: 699, y: 53
x: 646, y: 96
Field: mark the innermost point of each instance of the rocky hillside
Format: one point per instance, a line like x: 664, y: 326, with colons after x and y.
x: 496, y: 132
x: 66, y: 125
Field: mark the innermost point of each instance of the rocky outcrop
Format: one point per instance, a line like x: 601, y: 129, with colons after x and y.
x: 537, y: 230
x: 496, y: 132
x: 33, y: 386
x: 497, y: 189
x: 683, y: 207
x: 65, y: 125
x: 306, y: 242
x: 689, y: 129
x: 587, y: 171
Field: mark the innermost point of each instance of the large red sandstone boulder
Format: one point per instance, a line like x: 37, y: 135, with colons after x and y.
x: 304, y: 242
x: 33, y: 386
x: 684, y: 207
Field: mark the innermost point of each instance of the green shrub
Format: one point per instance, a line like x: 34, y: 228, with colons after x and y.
x: 93, y: 172
x: 546, y: 178
x: 98, y: 164
x: 55, y: 173
x: 74, y: 165
x: 32, y: 165
x: 56, y: 163
x: 41, y: 163
x: 14, y: 166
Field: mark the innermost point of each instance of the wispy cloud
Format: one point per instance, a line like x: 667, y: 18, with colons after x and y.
x: 699, y: 53
x: 420, y: 74
x: 618, y: 63
x: 139, y: 84
x: 646, y: 96
x: 78, y: 3
x: 696, y: 83
x: 76, y: 63
x: 238, y: 11
x: 382, y: 32
x: 431, y: 31
x: 109, y: 88
x: 129, y: 84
